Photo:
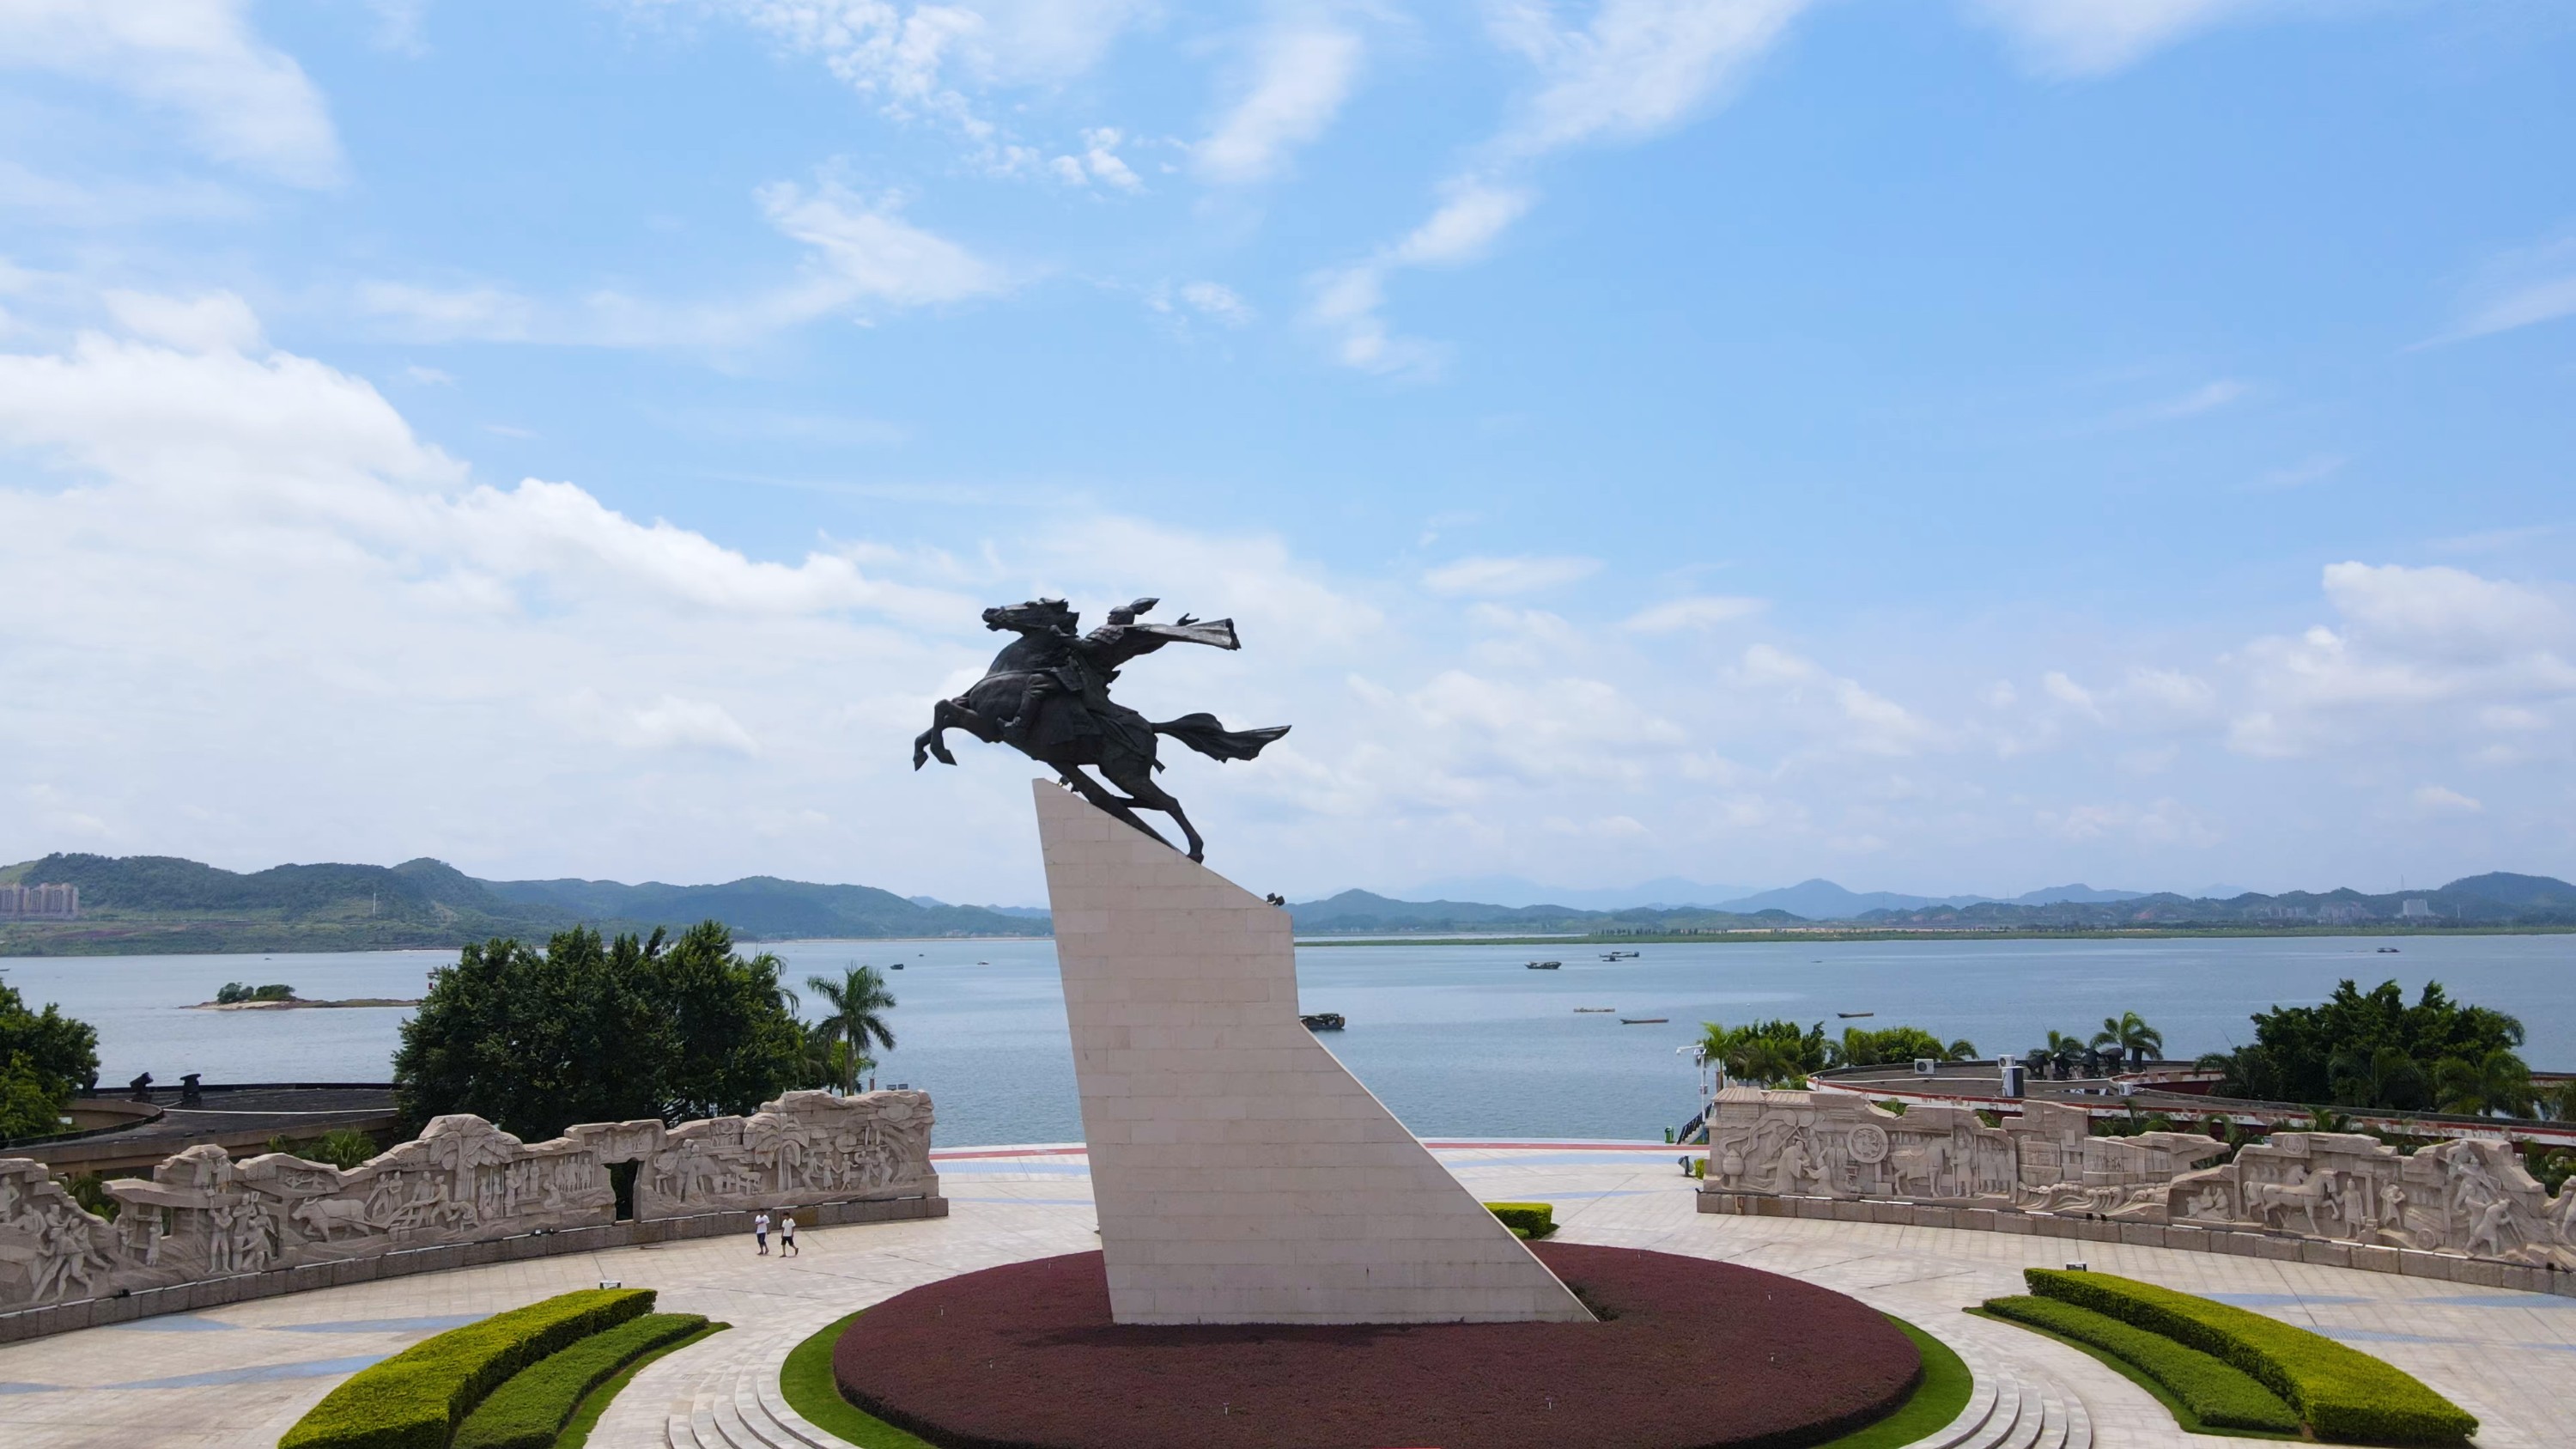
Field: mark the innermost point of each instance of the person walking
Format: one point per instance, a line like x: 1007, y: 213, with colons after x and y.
x: 787, y: 1235
x: 760, y: 1231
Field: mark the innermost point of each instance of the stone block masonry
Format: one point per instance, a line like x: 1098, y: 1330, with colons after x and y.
x: 1242, y: 1174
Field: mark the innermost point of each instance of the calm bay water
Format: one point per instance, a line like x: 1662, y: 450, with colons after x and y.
x: 1458, y: 1040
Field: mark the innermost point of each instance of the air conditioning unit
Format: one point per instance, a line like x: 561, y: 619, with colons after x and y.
x: 2012, y: 1072
x: 1925, y: 1066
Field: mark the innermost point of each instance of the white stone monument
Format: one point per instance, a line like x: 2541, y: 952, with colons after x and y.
x: 1242, y: 1174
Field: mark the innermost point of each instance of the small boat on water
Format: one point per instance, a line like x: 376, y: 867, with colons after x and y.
x: 1545, y: 965
x: 1322, y: 1021
x: 2387, y: 950
x: 1596, y: 1008
x: 1619, y: 955
x: 1643, y: 1020
x: 1848, y: 1015
x: 898, y: 965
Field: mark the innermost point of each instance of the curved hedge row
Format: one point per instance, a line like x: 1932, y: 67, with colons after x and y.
x: 1525, y: 1219
x: 2345, y: 1395
x: 414, y: 1399
x: 2216, y: 1393
x: 530, y: 1410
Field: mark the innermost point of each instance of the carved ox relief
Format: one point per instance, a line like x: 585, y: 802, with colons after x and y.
x: 203, y: 1215
x: 2468, y: 1197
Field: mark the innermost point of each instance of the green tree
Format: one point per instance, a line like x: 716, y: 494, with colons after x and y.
x: 2245, y: 1073
x: 590, y: 1030
x: 2496, y: 1084
x: 2304, y: 1044
x: 46, y: 1059
x: 2131, y: 1036
x: 1767, y: 1053
x: 855, y: 1005
x: 1861, y: 1047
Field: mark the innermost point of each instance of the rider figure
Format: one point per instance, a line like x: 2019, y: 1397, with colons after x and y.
x: 1079, y: 673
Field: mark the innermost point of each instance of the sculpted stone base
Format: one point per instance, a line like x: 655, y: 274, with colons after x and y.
x: 243, y: 1287
x: 1242, y: 1175
x: 2319, y: 1197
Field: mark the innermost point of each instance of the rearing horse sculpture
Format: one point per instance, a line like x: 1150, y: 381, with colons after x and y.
x: 1047, y: 694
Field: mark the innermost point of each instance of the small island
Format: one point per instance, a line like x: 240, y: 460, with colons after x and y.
x: 278, y: 996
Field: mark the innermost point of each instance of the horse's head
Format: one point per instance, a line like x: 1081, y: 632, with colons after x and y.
x: 1037, y: 616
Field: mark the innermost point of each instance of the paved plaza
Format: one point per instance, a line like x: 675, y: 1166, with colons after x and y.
x: 238, y: 1376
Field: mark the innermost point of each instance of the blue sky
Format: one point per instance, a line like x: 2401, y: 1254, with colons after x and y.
x: 1943, y: 446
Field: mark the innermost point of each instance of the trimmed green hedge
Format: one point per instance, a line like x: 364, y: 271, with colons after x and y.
x: 2344, y: 1394
x: 414, y: 1399
x: 1525, y: 1219
x: 530, y: 1410
x: 2215, y: 1392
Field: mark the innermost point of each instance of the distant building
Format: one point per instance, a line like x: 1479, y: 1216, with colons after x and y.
x: 2416, y: 911
x: 2343, y: 913
x: 39, y: 903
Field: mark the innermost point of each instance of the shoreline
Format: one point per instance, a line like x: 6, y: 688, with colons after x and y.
x: 1827, y: 935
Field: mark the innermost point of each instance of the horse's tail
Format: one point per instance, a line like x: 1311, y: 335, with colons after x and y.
x: 1203, y: 733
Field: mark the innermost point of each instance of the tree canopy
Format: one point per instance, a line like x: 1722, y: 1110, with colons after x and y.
x: 2372, y: 1049
x: 590, y: 1030
x: 45, y: 1059
x: 855, y: 1004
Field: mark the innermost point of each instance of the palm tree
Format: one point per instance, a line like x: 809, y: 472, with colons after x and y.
x: 2062, y: 1052
x: 2130, y: 1033
x: 2245, y: 1073
x: 855, y: 1015
x: 1962, y: 1050
x: 2497, y: 1084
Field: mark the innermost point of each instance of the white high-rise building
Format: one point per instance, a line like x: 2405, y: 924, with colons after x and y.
x: 39, y: 902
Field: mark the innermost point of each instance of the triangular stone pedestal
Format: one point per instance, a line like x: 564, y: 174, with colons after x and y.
x: 1242, y: 1174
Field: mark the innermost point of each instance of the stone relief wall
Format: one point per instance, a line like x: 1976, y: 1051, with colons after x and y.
x: 201, y: 1215
x: 2471, y: 1198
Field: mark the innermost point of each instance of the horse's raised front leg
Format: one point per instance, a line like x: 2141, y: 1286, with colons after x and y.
x: 945, y: 715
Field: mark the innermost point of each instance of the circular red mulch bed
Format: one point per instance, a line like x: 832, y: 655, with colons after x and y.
x: 1699, y: 1355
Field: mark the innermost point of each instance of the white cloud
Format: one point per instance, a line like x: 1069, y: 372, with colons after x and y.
x: 1301, y: 74
x: 2522, y: 287
x: 940, y: 61
x: 868, y: 253
x: 2436, y: 800
x: 2314, y: 469
x: 675, y: 723
x: 1216, y: 302
x: 217, y: 321
x: 2074, y: 38
x: 447, y: 314
x: 2422, y: 652
x: 1639, y: 68
x: 1485, y: 577
x: 1699, y: 611
x: 1470, y: 217
x: 862, y: 257
x: 242, y: 101
x: 2209, y: 397
x: 1636, y: 69
x: 1100, y: 162
x: 1854, y: 718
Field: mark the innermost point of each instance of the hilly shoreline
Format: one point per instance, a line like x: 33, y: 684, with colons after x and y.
x: 162, y: 905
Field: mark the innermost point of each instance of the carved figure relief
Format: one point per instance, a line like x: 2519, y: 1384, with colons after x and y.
x: 2466, y: 1197
x: 202, y: 1215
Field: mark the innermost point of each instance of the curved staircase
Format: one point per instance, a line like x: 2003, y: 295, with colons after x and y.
x: 736, y: 1404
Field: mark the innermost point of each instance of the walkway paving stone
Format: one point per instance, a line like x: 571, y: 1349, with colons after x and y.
x: 236, y: 1377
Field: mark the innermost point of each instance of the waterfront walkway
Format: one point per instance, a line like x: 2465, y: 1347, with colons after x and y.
x: 238, y: 1376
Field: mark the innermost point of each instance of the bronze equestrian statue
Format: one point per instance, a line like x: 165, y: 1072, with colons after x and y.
x: 1047, y: 694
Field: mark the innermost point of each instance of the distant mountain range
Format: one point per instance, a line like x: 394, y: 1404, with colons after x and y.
x: 2495, y: 899
x: 161, y: 904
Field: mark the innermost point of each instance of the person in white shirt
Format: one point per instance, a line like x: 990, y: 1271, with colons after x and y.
x: 760, y: 1231
x: 787, y: 1235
